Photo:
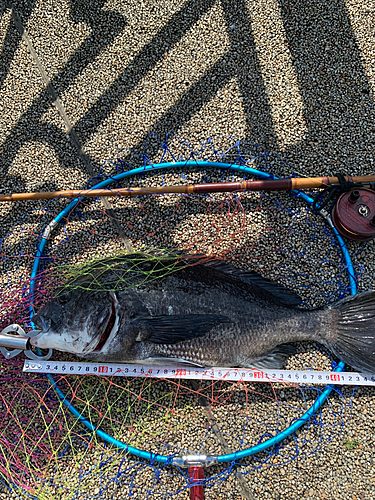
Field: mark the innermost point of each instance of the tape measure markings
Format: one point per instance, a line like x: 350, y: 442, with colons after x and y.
x: 216, y: 373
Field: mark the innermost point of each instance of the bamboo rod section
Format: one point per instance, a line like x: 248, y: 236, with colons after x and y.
x: 226, y: 187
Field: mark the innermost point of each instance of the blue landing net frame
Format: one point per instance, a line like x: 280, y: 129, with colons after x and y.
x: 173, y: 459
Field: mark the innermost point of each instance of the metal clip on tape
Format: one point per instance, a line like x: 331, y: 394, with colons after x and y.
x: 14, y: 340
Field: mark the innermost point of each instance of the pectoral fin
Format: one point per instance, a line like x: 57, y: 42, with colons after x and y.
x: 173, y: 329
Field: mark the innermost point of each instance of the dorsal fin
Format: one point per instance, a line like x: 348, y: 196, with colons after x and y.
x: 265, y: 286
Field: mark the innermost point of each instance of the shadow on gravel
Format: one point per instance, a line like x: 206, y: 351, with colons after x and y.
x: 336, y: 95
x: 338, y: 101
x: 12, y: 38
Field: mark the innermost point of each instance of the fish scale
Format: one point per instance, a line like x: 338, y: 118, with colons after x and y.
x: 244, y: 340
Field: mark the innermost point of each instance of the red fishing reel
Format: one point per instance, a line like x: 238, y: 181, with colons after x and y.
x: 354, y: 214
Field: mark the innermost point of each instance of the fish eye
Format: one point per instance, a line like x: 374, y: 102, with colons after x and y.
x: 63, y: 298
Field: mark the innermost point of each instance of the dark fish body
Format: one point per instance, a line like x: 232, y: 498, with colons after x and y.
x: 207, y: 315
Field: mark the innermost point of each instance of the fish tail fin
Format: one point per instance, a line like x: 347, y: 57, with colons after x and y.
x: 355, y: 343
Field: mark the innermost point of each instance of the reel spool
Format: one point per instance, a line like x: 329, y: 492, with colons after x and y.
x: 354, y: 214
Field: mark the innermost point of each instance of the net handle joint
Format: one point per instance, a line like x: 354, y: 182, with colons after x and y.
x: 186, y: 461
x: 14, y: 340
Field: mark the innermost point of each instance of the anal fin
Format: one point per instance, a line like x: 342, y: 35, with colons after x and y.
x: 168, y: 362
x: 273, y: 359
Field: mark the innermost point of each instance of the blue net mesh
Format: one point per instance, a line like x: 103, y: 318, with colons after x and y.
x: 46, y: 452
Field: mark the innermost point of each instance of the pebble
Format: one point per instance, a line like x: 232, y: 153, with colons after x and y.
x: 299, y: 80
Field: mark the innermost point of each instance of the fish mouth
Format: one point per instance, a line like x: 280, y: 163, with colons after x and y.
x: 111, y: 327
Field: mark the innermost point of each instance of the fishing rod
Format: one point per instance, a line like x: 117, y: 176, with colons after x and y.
x: 224, y: 187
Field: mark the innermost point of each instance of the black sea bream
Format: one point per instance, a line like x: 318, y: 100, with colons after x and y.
x: 207, y: 315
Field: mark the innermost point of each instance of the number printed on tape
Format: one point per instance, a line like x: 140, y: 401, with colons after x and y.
x: 240, y: 374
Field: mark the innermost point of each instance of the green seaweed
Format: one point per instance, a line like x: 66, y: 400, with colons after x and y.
x: 351, y: 444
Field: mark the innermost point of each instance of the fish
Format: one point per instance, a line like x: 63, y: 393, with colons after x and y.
x: 207, y: 314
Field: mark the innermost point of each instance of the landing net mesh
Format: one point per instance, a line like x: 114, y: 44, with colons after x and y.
x: 44, y: 450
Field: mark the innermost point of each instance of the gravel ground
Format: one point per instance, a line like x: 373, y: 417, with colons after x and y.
x: 88, y: 78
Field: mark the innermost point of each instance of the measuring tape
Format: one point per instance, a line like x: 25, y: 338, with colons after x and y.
x: 233, y: 374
